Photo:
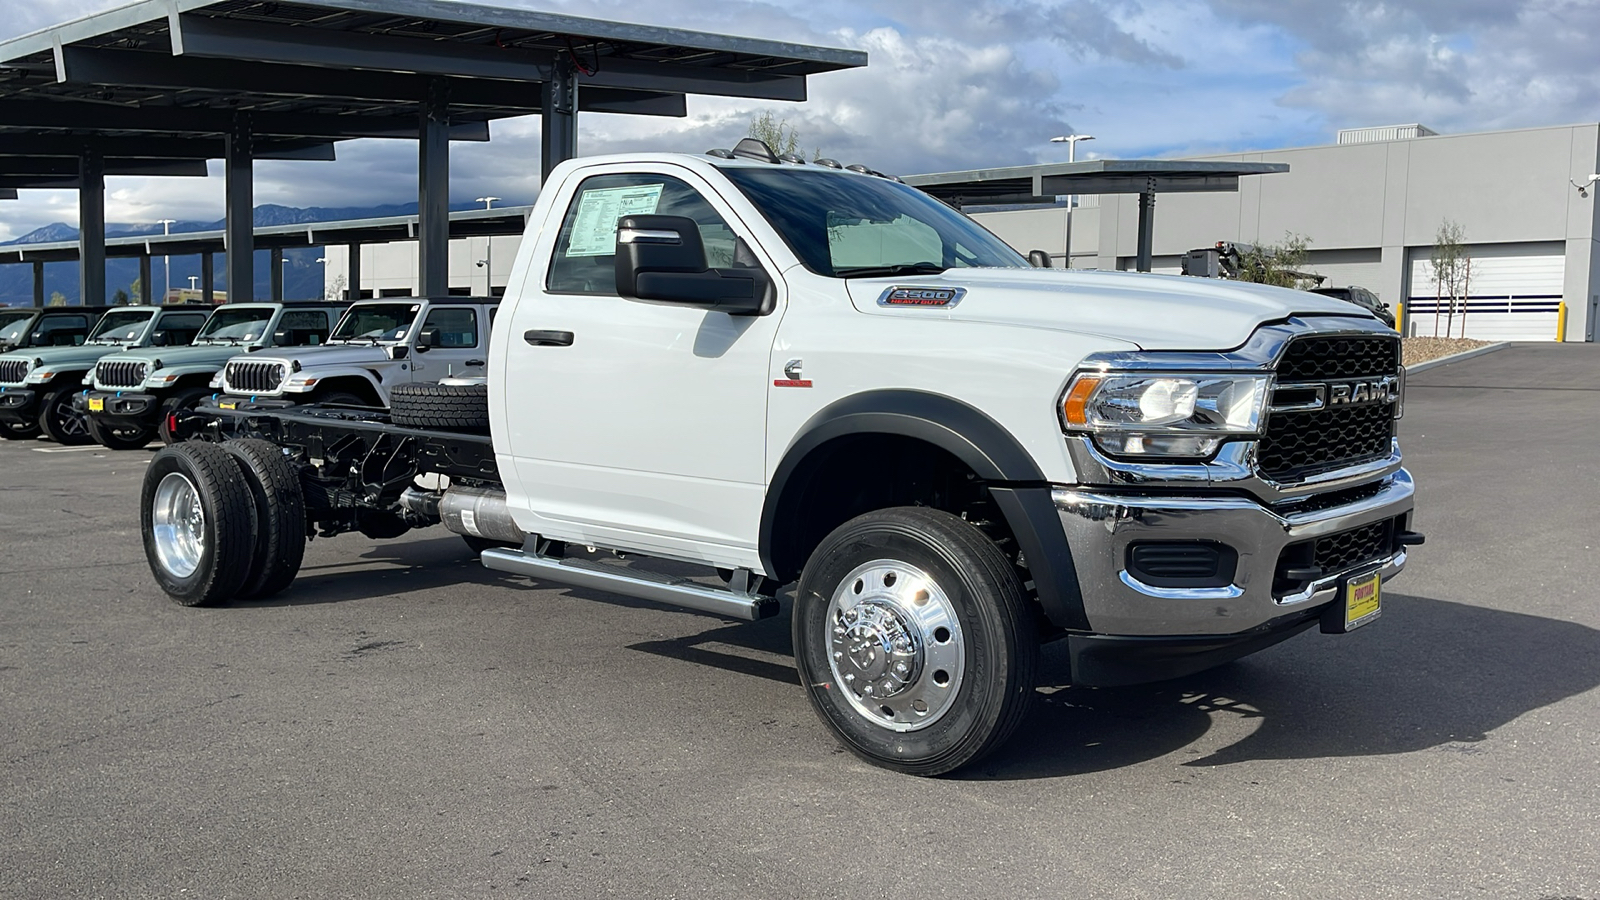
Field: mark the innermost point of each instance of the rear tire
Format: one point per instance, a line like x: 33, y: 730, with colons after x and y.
x: 199, y: 523
x: 280, y: 516
x: 442, y: 406
x: 119, y: 437
x: 914, y: 640
x: 58, y: 420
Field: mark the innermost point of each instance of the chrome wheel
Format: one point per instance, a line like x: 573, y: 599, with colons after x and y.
x: 178, y: 525
x: 895, y: 645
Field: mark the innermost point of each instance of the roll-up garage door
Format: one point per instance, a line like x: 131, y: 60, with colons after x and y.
x: 1514, y: 293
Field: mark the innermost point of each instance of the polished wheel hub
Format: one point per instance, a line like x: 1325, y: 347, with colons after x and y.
x: 178, y: 524
x: 894, y: 645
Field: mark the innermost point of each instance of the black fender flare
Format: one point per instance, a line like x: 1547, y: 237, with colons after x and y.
x: 1014, y: 480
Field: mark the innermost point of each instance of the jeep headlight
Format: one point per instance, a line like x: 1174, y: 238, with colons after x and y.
x: 1184, y: 415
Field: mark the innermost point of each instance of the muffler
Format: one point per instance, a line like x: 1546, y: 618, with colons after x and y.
x: 479, y: 513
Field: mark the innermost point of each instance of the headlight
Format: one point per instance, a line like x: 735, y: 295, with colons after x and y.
x: 1149, y: 414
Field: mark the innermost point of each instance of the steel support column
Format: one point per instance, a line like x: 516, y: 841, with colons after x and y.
x: 144, y: 280
x: 208, y: 279
x: 433, y: 193
x: 353, y: 251
x: 277, y: 274
x: 91, y: 228
x: 38, y: 282
x: 1147, y: 226
x: 558, y: 120
x: 239, y: 237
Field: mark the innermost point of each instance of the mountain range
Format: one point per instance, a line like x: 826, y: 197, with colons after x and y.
x: 302, y: 277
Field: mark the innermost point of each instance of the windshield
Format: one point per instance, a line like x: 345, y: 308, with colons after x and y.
x: 236, y: 325
x: 376, y: 322
x: 14, y: 324
x: 843, y: 226
x: 121, y: 327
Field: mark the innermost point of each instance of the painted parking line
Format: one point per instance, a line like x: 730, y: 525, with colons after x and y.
x: 68, y: 449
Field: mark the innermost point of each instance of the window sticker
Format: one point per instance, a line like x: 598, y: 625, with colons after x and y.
x: 594, y: 232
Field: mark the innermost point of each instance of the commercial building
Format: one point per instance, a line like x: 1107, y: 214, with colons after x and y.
x: 1371, y: 207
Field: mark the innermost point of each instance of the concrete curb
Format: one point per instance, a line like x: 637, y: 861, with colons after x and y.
x: 1454, y: 357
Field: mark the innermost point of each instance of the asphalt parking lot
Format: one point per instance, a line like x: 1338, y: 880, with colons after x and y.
x: 403, y: 723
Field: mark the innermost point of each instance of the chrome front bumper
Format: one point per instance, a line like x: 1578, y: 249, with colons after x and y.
x: 1100, y: 523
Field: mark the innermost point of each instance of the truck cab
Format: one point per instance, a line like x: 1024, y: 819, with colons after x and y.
x: 38, y: 385
x: 376, y: 345
x: 135, y: 393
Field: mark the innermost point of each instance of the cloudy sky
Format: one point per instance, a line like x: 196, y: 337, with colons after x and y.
x: 955, y: 84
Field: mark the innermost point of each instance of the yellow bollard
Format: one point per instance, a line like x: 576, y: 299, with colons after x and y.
x: 1400, y: 317
x: 1561, y: 323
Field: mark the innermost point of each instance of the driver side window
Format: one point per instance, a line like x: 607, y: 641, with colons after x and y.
x: 585, y: 254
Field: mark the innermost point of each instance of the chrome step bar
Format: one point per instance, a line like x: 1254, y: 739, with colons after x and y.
x: 641, y: 585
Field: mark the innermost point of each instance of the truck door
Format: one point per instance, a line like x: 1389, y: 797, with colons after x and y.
x: 635, y: 425
x: 451, y: 342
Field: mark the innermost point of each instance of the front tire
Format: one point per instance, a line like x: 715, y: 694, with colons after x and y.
x: 122, y: 437
x: 60, y: 422
x: 199, y: 523
x: 16, y: 431
x: 914, y: 640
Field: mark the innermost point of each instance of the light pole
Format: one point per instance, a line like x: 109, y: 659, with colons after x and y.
x: 488, y: 202
x: 193, y: 283
x: 1071, y: 140
x: 166, y: 265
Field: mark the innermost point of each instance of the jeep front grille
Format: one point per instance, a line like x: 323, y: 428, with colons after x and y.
x: 120, y: 373
x: 12, y: 371
x: 253, y: 377
x: 1301, y: 443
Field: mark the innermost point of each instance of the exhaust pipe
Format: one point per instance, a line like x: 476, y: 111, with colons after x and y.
x: 479, y: 513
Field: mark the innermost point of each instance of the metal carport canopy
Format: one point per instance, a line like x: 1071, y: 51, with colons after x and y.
x: 268, y: 77
x: 1041, y: 184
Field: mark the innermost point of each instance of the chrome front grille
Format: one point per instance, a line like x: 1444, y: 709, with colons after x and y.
x: 120, y: 373
x: 1299, y: 443
x: 12, y: 371
x: 243, y: 377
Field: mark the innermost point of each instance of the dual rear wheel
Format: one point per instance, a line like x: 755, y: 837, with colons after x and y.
x: 222, y: 521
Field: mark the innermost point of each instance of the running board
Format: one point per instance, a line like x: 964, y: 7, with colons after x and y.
x: 641, y: 585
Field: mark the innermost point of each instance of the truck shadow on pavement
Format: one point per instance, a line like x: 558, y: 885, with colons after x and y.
x: 1431, y: 674
x: 388, y: 568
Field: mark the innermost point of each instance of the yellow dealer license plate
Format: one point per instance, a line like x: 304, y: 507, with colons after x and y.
x: 228, y: 404
x: 97, y: 404
x: 1362, y: 600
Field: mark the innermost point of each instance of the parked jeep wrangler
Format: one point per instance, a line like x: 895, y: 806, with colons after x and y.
x: 136, y: 395
x: 38, y: 385
x: 51, y: 326
x: 376, y: 345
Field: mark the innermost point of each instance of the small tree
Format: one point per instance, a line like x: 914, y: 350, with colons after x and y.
x: 1452, y: 275
x: 58, y: 299
x: 775, y: 133
x: 1282, y: 264
x: 120, y: 298
x: 335, y: 291
x: 136, y: 291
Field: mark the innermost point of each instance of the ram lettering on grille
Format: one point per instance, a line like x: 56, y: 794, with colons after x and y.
x: 1302, y: 442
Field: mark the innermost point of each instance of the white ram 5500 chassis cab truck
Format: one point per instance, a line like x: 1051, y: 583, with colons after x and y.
x: 796, y: 374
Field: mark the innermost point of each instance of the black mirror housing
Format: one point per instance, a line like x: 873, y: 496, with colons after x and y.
x: 427, y: 339
x: 158, y: 339
x: 662, y: 259
x: 1039, y: 259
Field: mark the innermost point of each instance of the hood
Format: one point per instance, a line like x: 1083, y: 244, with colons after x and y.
x: 1154, y: 312
x: 189, y: 355
x: 83, y: 354
x: 324, y: 355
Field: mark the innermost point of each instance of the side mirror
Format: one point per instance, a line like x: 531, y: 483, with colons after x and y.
x: 158, y: 339
x: 283, y: 337
x: 661, y: 258
x: 1039, y: 259
x: 427, y: 338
